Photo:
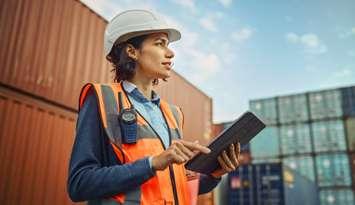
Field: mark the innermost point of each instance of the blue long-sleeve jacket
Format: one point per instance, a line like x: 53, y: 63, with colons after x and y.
x: 94, y: 170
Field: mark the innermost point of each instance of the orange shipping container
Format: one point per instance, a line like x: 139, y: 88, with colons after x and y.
x: 35, y: 145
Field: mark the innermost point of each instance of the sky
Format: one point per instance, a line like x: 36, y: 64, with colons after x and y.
x: 238, y: 50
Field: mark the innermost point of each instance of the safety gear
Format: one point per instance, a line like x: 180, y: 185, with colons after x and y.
x: 168, y: 186
x: 132, y: 23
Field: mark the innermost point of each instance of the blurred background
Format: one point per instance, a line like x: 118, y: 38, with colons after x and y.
x: 290, y: 62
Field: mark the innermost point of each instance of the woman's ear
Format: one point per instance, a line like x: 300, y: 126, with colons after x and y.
x: 132, y: 52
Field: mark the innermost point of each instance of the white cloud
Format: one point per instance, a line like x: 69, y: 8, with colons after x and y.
x: 242, y: 34
x: 225, y: 3
x: 109, y: 8
x: 189, y: 4
x: 208, y: 24
x: 292, y: 37
x: 310, y: 42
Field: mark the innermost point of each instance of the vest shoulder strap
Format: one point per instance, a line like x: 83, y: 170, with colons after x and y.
x: 108, y: 107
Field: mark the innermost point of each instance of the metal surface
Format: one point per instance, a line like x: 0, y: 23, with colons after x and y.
x: 266, y: 109
x: 295, y: 139
x: 196, y: 106
x: 336, y: 196
x: 348, y: 100
x: 301, y: 164
x: 329, y: 136
x: 325, y: 104
x: 35, y: 145
x: 293, y: 108
x: 352, y: 164
x: 333, y: 170
x: 266, y: 143
x: 51, y: 48
x: 350, y: 133
x: 270, y: 184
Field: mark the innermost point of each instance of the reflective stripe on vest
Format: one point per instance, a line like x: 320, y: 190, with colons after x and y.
x: 159, y: 188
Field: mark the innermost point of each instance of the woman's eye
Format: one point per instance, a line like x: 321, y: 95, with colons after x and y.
x: 160, y: 44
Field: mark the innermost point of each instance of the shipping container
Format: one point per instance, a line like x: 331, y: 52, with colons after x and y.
x: 265, y: 109
x: 270, y: 184
x: 333, y: 170
x: 295, y: 139
x: 197, y: 115
x: 293, y: 108
x: 51, y: 53
x: 336, y: 197
x: 352, y: 164
x: 329, y: 136
x: 266, y: 143
x: 51, y: 48
x: 326, y: 104
x: 35, y: 144
x: 301, y: 164
x: 350, y: 133
x: 348, y: 100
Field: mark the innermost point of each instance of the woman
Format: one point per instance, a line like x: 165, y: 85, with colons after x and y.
x: 128, y: 147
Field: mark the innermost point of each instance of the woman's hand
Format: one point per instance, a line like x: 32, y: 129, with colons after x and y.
x: 179, y: 152
x: 228, y: 160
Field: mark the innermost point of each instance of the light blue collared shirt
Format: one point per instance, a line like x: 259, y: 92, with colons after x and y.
x: 149, y: 109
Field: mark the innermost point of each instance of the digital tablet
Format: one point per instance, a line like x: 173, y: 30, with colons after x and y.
x: 242, y: 130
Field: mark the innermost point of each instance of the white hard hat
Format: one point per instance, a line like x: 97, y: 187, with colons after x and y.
x: 132, y: 23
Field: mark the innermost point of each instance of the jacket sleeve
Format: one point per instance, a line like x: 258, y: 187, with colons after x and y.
x: 207, y: 183
x: 91, y: 176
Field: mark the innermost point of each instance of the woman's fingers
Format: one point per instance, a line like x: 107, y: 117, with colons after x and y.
x: 227, y: 160
x: 223, y: 164
x: 185, y: 150
x: 194, y: 146
x: 233, y: 155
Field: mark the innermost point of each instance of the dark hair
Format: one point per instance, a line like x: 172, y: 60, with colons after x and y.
x: 123, y: 65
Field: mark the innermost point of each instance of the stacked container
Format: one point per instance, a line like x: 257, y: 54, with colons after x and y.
x: 316, y: 136
x: 270, y: 183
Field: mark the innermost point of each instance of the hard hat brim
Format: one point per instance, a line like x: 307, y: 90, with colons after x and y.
x: 173, y: 35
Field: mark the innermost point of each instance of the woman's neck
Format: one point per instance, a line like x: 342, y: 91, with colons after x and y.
x: 144, y: 85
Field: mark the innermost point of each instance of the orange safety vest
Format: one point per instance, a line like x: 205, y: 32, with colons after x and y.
x: 168, y: 186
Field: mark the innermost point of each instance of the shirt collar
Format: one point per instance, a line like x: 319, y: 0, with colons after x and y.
x: 132, y: 90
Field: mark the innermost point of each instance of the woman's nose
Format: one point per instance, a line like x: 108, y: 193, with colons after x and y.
x: 170, y: 53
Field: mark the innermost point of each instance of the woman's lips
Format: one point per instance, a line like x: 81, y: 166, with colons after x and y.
x: 167, y: 65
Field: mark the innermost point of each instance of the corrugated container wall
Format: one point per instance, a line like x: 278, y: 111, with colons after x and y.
x: 301, y: 164
x: 336, y: 197
x: 295, y: 139
x: 352, y: 161
x: 196, y: 106
x: 266, y: 143
x: 348, y: 101
x: 326, y: 104
x: 329, y: 136
x: 293, y: 108
x: 350, y: 133
x: 35, y: 145
x: 52, y: 48
x: 270, y: 184
x: 333, y: 170
x: 265, y: 109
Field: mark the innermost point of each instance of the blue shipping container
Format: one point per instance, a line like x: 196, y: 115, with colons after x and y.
x: 270, y: 184
x: 348, y: 101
